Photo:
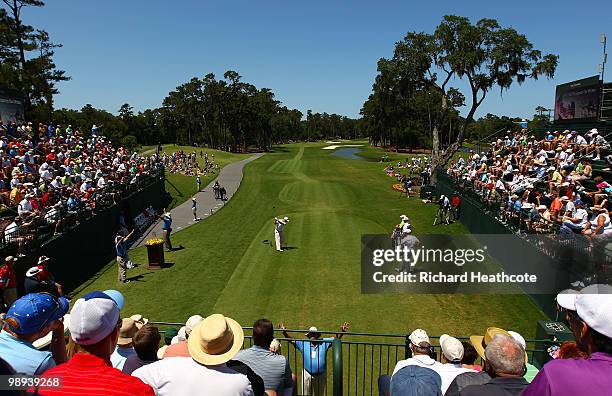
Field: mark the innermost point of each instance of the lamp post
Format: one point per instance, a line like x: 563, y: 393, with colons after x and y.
x: 602, y: 68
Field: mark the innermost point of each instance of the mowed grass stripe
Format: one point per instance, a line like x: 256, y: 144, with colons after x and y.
x: 226, y: 267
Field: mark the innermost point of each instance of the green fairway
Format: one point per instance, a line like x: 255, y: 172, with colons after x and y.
x: 228, y: 265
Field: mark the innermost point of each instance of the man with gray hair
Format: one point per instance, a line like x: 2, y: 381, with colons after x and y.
x: 505, y: 363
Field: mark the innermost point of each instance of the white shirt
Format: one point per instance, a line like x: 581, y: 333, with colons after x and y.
x: 406, y: 228
x: 24, y: 206
x: 120, y: 355
x: 183, y: 376
x: 418, y: 360
x: 580, y: 140
x: 448, y: 372
x: 582, y: 215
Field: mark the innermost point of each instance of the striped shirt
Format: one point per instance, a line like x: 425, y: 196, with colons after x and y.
x: 273, y: 369
x: 90, y: 375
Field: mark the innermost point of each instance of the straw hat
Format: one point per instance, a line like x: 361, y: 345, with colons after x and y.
x: 139, y: 320
x: 215, y: 340
x: 480, y: 342
x: 127, y: 331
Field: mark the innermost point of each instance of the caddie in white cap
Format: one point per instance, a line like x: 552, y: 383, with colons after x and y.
x: 589, y: 314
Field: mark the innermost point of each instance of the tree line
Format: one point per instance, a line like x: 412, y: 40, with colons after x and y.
x: 226, y: 113
x: 413, y: 101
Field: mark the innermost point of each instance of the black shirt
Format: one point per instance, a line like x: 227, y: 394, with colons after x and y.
x: 498, y: 386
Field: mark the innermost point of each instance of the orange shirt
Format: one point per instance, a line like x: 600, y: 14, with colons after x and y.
x: 177, y: 350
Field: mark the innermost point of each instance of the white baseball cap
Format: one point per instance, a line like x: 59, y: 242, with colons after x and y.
x: 92, y: 318
x: 311, y: 329
x: 595, y: 308
x: 451, y: 348
x: 181, y: 335
x: 419, y: 336
x: 191, y: 323
x: 567, y: 299
x: 518, y: 338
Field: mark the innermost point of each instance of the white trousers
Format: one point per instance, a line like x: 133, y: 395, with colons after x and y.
x: 313, y: 385
x: 278, y: 236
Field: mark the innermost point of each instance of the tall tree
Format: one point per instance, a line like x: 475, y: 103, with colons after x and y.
x: 27, y: 57
x: 484, y: 54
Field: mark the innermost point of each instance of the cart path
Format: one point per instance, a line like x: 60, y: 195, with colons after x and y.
x: 182, y: 216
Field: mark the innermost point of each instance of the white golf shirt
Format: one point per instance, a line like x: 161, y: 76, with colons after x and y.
x: 183, y: 376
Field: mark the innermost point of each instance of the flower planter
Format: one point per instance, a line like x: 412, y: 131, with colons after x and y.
x: 155, y: 255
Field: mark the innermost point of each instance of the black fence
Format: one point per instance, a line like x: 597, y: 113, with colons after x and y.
x: 354, y: 363
x: 86, y: 243
x: 574, y: 258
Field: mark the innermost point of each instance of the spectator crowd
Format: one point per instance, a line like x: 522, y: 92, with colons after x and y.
x: 95, y: 349
x: 52, y: 175
x: 180, y: 162
x: 548, y: 185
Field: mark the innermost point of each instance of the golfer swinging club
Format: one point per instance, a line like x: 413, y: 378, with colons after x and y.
x: 278, y: 232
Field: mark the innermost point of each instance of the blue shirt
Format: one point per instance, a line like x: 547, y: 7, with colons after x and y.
x: 23, y: 357
x: 167, y: 223
x: 121, y: 249
x: 315, y: 355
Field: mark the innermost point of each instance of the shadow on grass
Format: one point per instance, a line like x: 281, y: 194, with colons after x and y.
x: 138, y: 278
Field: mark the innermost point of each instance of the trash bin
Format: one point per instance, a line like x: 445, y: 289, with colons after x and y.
x: 555, y: 332
x: 155, y: 253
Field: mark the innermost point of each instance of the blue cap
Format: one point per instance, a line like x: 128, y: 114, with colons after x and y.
x: 579, y: 202
x: 416, y: 381
x: 116, y: 296
x: 34, y: 311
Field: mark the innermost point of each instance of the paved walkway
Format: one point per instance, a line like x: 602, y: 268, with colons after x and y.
x: 182, y: 216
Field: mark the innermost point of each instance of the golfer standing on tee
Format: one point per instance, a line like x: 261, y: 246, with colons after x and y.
x: 278, y: 232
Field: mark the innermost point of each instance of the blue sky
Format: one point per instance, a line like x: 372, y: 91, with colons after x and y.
x: 318, y: 55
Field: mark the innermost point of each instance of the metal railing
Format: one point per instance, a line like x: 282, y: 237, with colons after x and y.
x: 354, y: 363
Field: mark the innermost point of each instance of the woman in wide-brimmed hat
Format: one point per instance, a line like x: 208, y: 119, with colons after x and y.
x: 212, y: 343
